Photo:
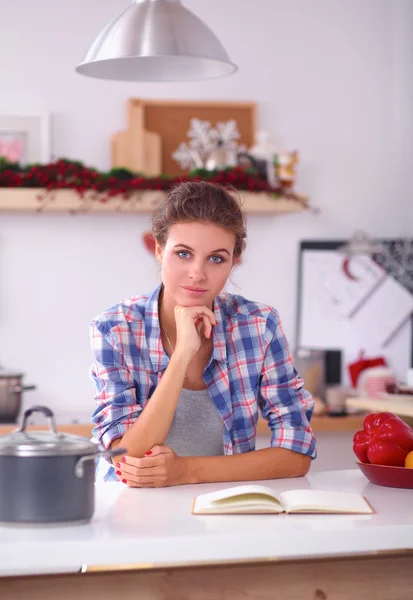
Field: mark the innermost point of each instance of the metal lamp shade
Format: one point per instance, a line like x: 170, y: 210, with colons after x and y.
x: 156, y: 40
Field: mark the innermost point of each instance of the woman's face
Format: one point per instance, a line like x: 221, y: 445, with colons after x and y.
x: 196, y: 262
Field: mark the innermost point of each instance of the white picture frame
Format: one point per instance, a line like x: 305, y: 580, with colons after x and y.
x: 25, y: 138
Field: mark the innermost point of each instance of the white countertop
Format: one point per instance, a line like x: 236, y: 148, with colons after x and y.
x: 155, y: 527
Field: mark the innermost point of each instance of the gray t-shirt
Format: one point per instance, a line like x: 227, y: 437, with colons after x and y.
x: 197, y: 427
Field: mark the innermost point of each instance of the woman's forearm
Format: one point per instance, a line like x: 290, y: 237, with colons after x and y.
x: 155, y: 420
x: 268, y: 463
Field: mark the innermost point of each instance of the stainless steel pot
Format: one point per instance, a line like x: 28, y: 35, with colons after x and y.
x: 11, y: 389
x: 47, y: 476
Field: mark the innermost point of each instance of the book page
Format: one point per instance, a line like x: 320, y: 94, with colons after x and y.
x: 324, y: 501
x: 237, y: 491
x: 242, y: 498
x: 244, y: 504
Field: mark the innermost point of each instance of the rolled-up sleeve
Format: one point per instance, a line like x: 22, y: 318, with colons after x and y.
x: 115, y: 393
x: 284, y: 402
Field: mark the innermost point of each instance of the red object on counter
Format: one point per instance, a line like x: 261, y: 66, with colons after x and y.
x: 399, y: 477
x: 359, y: 365
x: 384, y: 440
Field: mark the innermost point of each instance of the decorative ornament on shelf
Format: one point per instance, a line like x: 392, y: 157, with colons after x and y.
x: 279, y: 167
x: 149, y: 242
x: 209, y: 147
x: 123, y: 185
x: 285, y: 167
x: 263, y: 154
x: 68, y: 174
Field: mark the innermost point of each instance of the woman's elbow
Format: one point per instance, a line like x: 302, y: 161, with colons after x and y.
x: 297, y: 465
x: 302, y: 466
x: 290, y: 463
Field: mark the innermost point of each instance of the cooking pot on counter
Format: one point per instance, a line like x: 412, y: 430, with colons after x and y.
x: 11, y: 389
x: 47, y: 476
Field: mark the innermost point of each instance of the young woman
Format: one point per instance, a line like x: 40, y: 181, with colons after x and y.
x: 181, y: 374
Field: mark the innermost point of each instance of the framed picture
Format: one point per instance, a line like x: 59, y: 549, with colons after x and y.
x: 324, y: 324
x: 25, y: 138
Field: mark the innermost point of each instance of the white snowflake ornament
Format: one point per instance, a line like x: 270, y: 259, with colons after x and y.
x: 204, y: 140
x: 187, y: 157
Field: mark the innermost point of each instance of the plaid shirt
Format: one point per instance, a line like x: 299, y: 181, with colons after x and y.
x: 250, y: 367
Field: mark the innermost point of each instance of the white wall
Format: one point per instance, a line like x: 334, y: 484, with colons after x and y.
x: 330, y: 78
x: 403, y: 106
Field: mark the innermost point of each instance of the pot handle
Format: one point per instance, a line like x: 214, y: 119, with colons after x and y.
x: 22, y: 388
x: 43, y: 409
x: 79, y: 470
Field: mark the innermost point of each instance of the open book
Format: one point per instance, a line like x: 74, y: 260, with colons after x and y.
x: 256, y: 499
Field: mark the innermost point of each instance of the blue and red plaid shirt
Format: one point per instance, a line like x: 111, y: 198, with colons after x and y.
x: 250, y: 368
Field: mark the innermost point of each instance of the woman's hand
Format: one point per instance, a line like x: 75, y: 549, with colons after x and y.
x: 191, y: 322
x: 160, y: 467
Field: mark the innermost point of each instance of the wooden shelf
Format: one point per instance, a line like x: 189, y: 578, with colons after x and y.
x: 19, y: 200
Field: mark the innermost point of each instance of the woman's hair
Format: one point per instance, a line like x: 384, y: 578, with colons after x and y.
x: 202, y: 201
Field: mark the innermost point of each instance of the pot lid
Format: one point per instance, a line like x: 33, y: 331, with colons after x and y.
x: 44, y: 443
x: 4, y: 374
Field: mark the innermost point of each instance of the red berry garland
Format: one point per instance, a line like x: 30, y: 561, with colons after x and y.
x: 66, y: 174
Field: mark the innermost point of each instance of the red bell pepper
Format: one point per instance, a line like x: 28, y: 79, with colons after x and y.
x: 384, y: 440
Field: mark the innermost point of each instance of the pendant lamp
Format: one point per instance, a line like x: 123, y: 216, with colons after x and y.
x: 156, y: 40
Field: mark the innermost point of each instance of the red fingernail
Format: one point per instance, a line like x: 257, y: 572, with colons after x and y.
x: 117, y: 465
x: 148, y: 453
x: 118, y: 473
x: 123, y: 458
x: 124, y: 481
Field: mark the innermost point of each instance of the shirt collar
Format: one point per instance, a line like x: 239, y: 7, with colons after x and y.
x: 157, y: 354
x: 219, y: 351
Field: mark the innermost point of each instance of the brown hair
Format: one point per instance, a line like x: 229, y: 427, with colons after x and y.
x: 201, y: 201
